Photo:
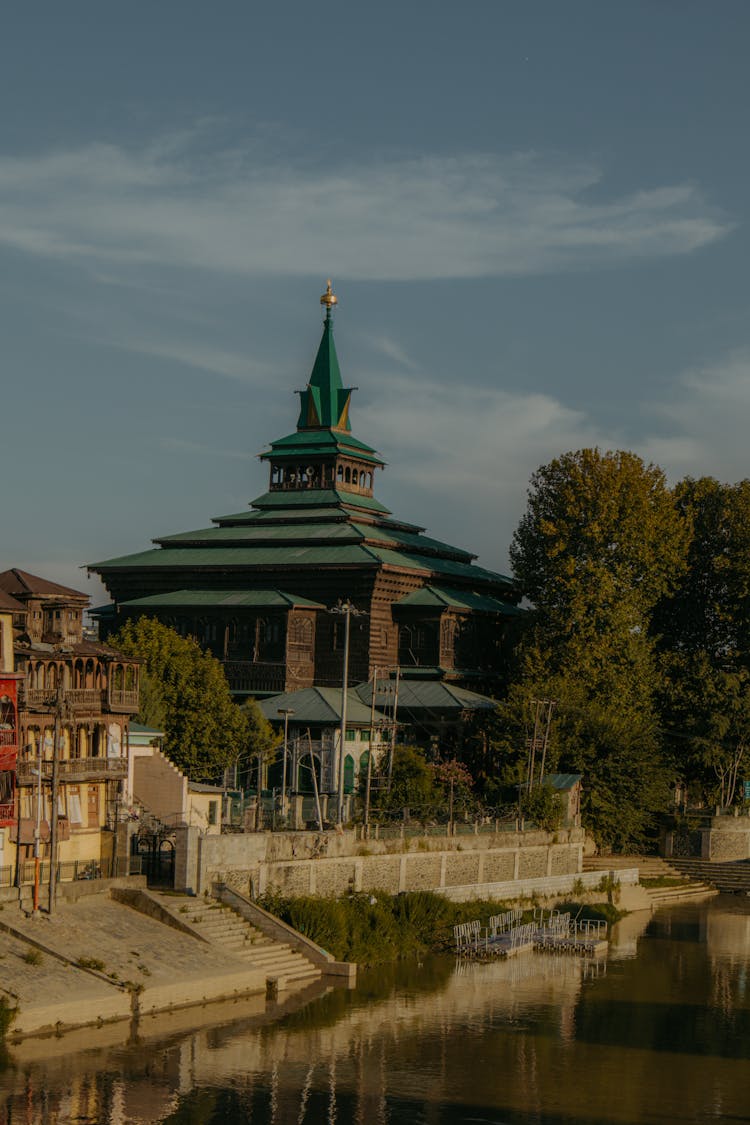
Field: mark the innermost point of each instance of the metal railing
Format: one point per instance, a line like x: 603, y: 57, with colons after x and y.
x: 68, y: 871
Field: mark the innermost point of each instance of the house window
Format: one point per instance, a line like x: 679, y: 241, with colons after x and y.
x: 351, y: 735
x: 212, y: 806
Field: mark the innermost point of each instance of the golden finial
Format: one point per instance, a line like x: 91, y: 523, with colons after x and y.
x: 329, y: 299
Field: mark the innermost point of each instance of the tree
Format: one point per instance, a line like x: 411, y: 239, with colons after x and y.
x: 412, y: 785
x: 204, y: 730
x: 708, y: 717
x: 709, y: 612
x: 601, y: 542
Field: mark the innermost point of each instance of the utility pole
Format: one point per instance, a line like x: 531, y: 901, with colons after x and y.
x: 286, y: 712
x: 538, y: 743
x: 59, y: 708
x: 369, y: 755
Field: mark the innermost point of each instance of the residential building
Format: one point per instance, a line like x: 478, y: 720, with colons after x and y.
x: 74, y: 699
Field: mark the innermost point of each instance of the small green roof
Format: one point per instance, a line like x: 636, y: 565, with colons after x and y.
x: 223, y: 599
x: 318, y: 706
x: 562, y: 782
x: 425, y: 695
x: 457, y: 599
x: 314, y: 443
x: 314, y: 497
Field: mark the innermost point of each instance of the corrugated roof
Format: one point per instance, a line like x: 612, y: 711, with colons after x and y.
x: 562, y: 781
x: 457, y: 599
x: 317, y: 442
x: 426, y: 695
x: 268, y: 515
x: 243, y: 557
x: 220, y: 599
x: 404, y: 538
x: 318, y: 706
x: 261, y: 531
x: 315, y: 497
x: 414, y: 561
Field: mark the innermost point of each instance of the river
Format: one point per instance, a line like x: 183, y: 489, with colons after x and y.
x: 657, y: 1032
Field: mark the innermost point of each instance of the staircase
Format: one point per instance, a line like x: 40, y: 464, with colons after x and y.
x: 687, y: 885
x: 224, y: 929
x: 730, y: 878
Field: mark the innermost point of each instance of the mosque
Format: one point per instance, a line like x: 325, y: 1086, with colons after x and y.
x: 318, y: 568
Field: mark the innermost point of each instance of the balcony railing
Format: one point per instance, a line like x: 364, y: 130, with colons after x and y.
x: 7, y: 814
x: 37, y: 697
x: 74, y: 769
x: 122, y: 700
x: 84, y: 699
x: 8, y: 738
x: 248, y: 675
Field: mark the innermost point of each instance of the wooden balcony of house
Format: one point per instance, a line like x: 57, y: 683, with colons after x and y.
x: 86, y: 701
x: 8, y: 740
x: 74, y: 769
x: 248, y: 675
x: 123, y: 701
x: 36, y: 699
x: 8, y: 814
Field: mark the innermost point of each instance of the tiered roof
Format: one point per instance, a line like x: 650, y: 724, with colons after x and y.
x: 312, y: 528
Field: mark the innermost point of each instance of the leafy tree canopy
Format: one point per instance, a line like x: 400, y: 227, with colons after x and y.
x: 600, y: 543
x: 188, y: 694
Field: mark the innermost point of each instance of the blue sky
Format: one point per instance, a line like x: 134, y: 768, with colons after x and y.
x: 535, y: 216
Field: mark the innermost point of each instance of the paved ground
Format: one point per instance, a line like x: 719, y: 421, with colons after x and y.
x: 134, y: 962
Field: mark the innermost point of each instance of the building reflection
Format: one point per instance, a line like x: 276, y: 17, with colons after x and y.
x: 658, y: 1037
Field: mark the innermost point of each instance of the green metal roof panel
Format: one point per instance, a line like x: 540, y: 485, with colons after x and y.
x: 245, y: 557
x: 318, y: 706
x: 224, y: 599
x: 407, y: 539
x: 562, y: 782
x: 318, y: 442
x: 431, y: 695
x: 263, y: 532
x: 269, y: 515
x: 457, y: 599
x: 414, y: 561
x: 314, y: 497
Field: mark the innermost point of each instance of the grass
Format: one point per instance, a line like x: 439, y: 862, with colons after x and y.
x: 32, y: 957
x: 374, y: 927
x: 90, y: 963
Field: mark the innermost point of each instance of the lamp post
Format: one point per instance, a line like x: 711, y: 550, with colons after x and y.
x: 286, y: 712
x: 346, y: 609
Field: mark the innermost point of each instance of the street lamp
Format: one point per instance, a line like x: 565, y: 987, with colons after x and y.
x: 286, y: 712
x: 347, y: 609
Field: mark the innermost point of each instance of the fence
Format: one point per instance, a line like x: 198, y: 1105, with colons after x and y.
x: 71, y: 870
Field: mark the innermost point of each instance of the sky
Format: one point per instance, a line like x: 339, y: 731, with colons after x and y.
x: 535, y: 215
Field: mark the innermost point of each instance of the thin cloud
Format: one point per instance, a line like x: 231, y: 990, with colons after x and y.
x: 177, y: 204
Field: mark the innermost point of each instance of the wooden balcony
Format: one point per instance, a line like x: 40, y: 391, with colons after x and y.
x: 86, y: 701
x: 126, y: 701
x: 74, y: 769
x: 8, y: 739
x: 247, y: 675
x: 7, y: 814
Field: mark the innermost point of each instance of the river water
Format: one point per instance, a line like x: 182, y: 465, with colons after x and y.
x: 657, y: 1032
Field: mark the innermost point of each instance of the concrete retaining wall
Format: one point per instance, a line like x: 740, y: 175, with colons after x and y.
x: 552, y: 887
x: 330, y: 864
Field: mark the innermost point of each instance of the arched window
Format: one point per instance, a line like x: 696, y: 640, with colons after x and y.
x: 362, y: 479
x: 348, y: 774
x: 339, y: 474
x: 347, y: 475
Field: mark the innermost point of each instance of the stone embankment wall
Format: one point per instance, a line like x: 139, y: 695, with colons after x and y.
x: 723, y: 838
x: 313, y: 863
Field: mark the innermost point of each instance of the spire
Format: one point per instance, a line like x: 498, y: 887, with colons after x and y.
x: 324, y: 405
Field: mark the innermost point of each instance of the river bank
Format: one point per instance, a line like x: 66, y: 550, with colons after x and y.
x: 543, y: 1038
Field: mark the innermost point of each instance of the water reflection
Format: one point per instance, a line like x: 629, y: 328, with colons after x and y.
x: 658, y: 1033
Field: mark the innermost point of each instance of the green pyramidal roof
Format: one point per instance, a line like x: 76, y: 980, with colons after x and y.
x: 324, y: 405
